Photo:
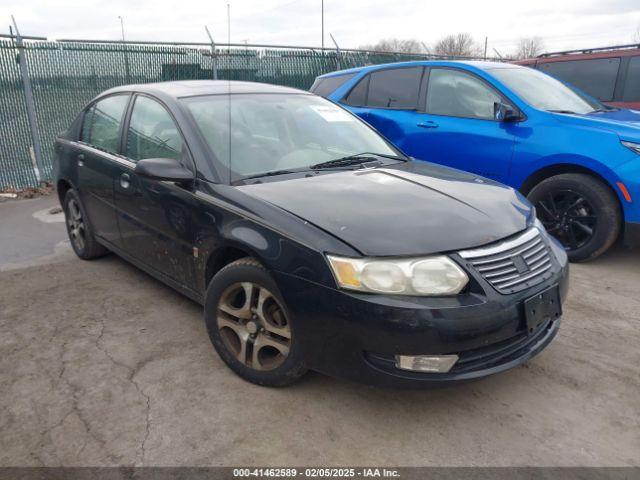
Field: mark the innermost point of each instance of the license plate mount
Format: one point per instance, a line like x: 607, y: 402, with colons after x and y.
x: 542, y: 307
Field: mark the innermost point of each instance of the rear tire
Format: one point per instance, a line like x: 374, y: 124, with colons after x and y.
x: 79, y: 229
x: 580, y: 211
x: 249, y: 325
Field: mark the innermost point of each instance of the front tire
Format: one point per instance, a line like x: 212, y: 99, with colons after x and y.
x: 81, y: 236
x: 580, y: 211
x: 249, y: 326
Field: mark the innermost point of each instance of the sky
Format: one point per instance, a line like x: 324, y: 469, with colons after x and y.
x: 562, y: 24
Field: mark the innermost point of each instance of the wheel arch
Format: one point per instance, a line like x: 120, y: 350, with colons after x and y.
x: 62, y: 187
x: 559, y: 168
x: 223, y: 256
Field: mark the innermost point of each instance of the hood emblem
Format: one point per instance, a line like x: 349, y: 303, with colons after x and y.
x: 520, y: 264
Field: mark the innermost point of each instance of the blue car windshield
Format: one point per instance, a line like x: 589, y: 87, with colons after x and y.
x: 544, y: 92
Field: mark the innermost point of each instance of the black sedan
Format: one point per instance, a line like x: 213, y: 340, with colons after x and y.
x: 311, y: 241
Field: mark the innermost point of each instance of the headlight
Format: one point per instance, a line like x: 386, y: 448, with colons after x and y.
x: 429, y: 276
x: 634, y: 147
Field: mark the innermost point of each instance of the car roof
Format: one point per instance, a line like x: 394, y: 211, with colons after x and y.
x: 191, y: 88
x: 571, y: 56
x: 477, y: 64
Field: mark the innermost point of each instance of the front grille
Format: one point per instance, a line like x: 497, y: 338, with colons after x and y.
x: 515, y: 264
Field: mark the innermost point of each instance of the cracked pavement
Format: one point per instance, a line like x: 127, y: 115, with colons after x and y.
x: 102, y: 365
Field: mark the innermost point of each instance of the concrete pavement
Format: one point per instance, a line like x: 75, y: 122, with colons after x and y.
x: 102, y: 365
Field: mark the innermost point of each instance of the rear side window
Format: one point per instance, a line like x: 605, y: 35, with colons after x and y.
x: 596, y: 77
x: 326, y: 86
x: 152, y: 132
x: 101, y: 127
x: 632, y: 83
x: 395, y: 88
x: 458, y: 94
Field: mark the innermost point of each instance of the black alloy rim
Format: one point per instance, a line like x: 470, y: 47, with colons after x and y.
x: 568, y: 216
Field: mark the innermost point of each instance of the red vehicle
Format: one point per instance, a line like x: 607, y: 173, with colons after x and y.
x: 610, y: 74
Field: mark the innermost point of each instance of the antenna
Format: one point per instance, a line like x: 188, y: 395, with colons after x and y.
x: 322, y: 17
x: 229, y: 83
x: 229, y: 24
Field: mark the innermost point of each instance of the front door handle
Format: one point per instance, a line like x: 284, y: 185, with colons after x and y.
x: 125, y: 180
x: 428, y: 124
x: 80, y: 159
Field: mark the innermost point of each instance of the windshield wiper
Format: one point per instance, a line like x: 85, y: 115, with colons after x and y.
x: 272, y: 173
x: 570, y: 112
x: 349, y: 160
x: 604, y: 110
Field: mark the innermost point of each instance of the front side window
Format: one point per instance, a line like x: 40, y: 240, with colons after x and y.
x: 458, y: 94
x: 251, y: 134
x: 103, y: 121
x: 152, y: 132
x: 596, y: 77
x: 395, y: 88
x: 544, y: 92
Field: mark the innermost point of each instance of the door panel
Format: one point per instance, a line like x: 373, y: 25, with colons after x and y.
x: 156, y: 224
x: 96, y: 161
x: 96, y: 171
x: 155, y: 217
x: 478, y: 146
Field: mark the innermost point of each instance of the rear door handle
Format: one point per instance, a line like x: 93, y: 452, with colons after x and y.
x: 125, y: 180
x: 80, y: 158
x: 428, y: 124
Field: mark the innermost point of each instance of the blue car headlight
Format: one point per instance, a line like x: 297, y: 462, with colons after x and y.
x: 634, y: 147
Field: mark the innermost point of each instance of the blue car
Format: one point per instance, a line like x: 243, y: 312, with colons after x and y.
x: 577, y: 160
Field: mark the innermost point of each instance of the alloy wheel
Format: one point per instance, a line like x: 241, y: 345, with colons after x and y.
x: 253, y: 326
x: 75, y: 224
x: 568, y: 216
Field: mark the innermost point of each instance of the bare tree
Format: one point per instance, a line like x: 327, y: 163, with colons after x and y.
x: 636, y: 38
x: 529, y: 47
x: 458, y: 45
x: 396, y: 45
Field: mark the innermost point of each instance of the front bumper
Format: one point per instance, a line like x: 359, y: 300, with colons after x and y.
x: 357, y: 336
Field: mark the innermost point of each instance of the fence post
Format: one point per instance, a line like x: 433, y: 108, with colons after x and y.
x: 30, y: 105
x: 214, y: 57
x: 337, y: 52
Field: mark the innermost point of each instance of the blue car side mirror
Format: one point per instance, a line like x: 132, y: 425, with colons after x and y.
x: 504, y: 113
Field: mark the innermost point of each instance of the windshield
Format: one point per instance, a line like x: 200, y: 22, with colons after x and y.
x: 274, y: 132
x: 544, y: 92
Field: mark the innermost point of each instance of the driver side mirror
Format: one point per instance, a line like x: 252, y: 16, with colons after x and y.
x: 164, y: 169
x: 504, y: 113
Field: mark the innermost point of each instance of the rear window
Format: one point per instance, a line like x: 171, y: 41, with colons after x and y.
x: 596, y: 77
x: 632, y: 83
x: 395, y: 88
x: 326, y: 86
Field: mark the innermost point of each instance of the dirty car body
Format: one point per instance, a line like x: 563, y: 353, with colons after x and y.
x: 209, y: 212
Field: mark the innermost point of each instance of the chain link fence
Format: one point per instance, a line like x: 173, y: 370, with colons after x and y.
x: 66, y: 74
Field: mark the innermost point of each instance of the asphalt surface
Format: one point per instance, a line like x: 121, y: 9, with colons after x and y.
x: 102, y: 365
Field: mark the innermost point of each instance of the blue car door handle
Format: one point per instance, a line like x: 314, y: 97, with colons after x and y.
x: 428, y: 124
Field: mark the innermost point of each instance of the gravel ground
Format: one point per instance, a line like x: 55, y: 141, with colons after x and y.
x: 102, y: 365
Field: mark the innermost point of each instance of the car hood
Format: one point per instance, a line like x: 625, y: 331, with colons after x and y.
x: 414, y: 208
x: 624, y: 122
